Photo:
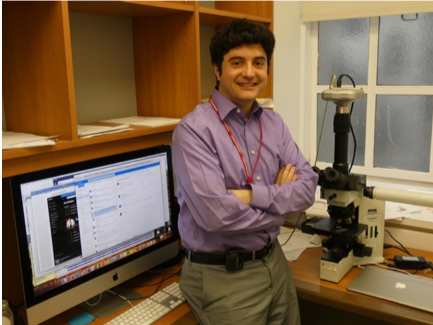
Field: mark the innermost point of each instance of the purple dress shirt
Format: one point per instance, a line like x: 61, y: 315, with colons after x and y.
x: 207, y: 164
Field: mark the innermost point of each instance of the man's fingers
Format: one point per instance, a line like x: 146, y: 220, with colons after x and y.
x: 280, y: 173
x: 286, y: 174
x: 291, y: 174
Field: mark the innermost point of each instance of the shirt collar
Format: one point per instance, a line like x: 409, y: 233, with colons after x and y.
x: 225, y: 106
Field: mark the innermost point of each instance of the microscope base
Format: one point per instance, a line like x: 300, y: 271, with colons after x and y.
x: 335, y: 271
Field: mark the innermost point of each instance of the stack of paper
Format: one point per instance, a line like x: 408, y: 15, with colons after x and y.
x: 294, y: 244
x: 14, y: 140
x: 266, y: 102
x: 144, y: 121
x: 88, y: 131
x: 399, y: 211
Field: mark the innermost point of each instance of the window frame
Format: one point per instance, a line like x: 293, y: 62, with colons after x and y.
x: 371, y: 90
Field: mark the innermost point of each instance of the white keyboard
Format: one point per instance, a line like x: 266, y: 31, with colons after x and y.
x: 153, y: 308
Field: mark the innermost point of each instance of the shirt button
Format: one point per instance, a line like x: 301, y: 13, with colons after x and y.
x: 239, y: 110
x: 258, y: 178
x: 253, y: 152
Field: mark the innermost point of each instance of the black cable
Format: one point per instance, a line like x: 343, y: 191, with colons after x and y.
x: 341, y: 77
x: 395, y: 247
x: 404, y: 248
x: 354, y: 139
x: 423, y: 266
x: 294, y: 228
x: 351, y: 109
x: 323, y: 123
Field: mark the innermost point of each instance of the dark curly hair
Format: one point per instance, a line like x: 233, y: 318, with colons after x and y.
x: 240, y: 32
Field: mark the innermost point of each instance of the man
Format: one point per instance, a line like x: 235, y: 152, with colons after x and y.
x: 238, y: 172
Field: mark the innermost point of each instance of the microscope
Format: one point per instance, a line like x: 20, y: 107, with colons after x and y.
x: 355, y: 228
x: 354, y: 232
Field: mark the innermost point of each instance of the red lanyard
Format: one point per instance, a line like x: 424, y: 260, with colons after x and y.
x: 250, y: 178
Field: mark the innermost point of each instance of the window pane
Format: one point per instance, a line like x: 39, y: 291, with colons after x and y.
x: 403, y: 132
x: 343, y: 48
x: 326, y: 151
x: 405, y: 50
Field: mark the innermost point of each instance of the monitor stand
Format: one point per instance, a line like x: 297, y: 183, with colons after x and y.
x: 110, y: 303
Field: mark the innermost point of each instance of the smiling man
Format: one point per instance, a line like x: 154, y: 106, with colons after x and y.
x: 245, y: 75
x: 238, y: 172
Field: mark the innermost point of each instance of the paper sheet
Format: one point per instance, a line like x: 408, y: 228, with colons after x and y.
x: 144, y: 121
x: 87, y: 131
x: 14, y: 140
x: 266, y: 102
x: 297, y: 244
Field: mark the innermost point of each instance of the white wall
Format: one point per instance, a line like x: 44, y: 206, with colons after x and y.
x: 289, y: 74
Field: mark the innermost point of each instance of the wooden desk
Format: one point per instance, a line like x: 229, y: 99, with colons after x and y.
x: 182, y: 315
x: 310, y: 289
x: 306, y: 270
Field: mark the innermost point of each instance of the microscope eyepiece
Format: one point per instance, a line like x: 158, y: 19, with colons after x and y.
x: 334, y: 177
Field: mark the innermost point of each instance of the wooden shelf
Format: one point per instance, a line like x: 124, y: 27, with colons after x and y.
x: 20, y: 161
x: 132, y: 9
x: 217, y: 18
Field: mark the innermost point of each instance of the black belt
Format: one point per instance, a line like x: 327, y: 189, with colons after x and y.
x: 233, y: 259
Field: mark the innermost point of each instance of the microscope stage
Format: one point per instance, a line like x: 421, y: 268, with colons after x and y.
x: 327, y: 227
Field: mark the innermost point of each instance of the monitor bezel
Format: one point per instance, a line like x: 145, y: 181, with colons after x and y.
x: 111, y: 270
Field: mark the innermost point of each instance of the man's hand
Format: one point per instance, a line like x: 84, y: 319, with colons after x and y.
x: 243, y: 195
x: 286, y: 175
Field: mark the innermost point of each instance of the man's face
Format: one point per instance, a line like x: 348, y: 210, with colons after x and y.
x: 244, y: 74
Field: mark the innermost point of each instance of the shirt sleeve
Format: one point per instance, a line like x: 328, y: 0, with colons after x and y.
x: 200, y: 181
x: 289, y: 197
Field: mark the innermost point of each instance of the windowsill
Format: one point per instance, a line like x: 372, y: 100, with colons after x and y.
x: 416, y: 225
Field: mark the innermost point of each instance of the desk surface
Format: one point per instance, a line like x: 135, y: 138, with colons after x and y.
x: 306, y: 270
x: 143, y: 284
x: 309, y: 287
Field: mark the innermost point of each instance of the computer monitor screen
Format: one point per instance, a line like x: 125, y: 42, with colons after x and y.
x: 87, y: 227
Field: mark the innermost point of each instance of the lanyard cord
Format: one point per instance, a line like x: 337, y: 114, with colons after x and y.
x: 249, y: 178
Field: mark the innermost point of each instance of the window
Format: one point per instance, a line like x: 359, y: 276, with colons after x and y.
x: 391, y: 59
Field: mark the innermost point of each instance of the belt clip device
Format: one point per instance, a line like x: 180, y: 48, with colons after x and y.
x: 234, y: 260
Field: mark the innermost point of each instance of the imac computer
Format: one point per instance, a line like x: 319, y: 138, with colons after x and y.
x: 86, y: 227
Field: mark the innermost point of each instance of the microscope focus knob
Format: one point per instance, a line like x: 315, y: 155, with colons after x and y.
x: 368, y: 251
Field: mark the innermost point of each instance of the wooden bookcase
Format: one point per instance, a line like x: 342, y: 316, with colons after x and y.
x: 39, y: 93
x: 39, y: 90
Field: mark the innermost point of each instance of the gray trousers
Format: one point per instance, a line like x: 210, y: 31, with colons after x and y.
x: 263, y: 292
